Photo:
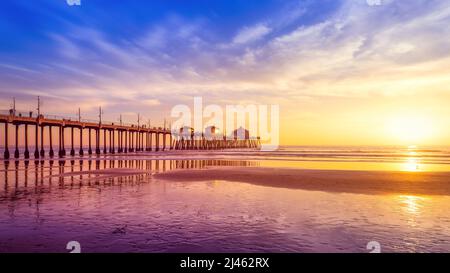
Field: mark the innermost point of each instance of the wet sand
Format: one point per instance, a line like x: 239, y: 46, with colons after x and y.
x: 98, y: 175
x: 150, y: 206
x: 360, y: 182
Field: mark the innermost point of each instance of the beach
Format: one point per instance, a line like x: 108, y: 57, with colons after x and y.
x: 361, y: 182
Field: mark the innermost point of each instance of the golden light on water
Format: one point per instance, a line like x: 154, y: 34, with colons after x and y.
x: 411, y: 165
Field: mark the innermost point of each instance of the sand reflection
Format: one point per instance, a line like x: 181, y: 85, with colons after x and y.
x: 411, y: 204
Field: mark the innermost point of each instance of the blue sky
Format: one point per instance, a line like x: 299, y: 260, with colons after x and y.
x: 49, y: 46
x: 147, y: 56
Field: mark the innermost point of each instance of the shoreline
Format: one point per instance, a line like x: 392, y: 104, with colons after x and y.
x: 337, y: 181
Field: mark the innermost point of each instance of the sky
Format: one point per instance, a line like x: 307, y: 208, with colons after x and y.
x: 344, y: 72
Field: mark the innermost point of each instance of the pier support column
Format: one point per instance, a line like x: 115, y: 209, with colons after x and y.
x: 90, y: 142
x: 26, y: 154
x: 164, y: 141
x: 97, y: 141
x: 104, y: 142
x: 147, y: 142
x: 113, y: 141
x: 36, y: 142
x: 6, y: 154
x: 51, y: 153
x: 16, y: 152
x: 136, y: 145
x: 157, y: 142
x: 138, y: 141
x: 119, y: 143
x: 125, y: 143
x: 81, y: 152
x: 131, y: 141
x: 145, y: 136
x: 72, y: 150
x: 110, y: 142
x: 151, y: 141
x: 42, y: 153
x: 119, y: 139
x: 61, y: 141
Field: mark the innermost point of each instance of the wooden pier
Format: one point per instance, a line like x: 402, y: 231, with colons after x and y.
x: 129, y: 138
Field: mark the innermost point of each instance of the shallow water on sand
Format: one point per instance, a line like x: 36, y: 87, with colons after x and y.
x: 44, y: 206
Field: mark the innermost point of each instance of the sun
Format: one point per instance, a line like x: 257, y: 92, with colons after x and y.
x: 410, y: 129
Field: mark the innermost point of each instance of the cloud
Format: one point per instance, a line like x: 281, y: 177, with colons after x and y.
x: 251, y: 34
x: 151, y: 102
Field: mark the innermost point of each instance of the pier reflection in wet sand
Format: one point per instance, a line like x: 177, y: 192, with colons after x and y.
x: 20, y: 178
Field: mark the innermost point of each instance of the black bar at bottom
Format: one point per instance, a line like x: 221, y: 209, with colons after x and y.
x: 232, y: 262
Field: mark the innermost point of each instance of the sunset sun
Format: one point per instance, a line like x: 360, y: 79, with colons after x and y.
x: 410, y: 129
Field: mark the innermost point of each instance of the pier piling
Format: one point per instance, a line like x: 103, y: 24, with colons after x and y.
x: 51, y: 153
x: 16, y: 152
x: 36, y: 137
x: 81, y: 152
x: 26, y: 154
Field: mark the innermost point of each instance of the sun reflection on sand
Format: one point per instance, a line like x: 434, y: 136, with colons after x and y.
x: 412, y: 204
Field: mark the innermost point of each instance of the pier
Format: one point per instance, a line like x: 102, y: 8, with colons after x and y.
x: 104, y: 137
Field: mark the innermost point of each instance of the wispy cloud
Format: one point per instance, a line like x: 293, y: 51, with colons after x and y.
x: 251, y: 34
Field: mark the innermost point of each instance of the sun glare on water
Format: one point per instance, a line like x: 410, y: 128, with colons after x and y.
x: 412, y: 165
